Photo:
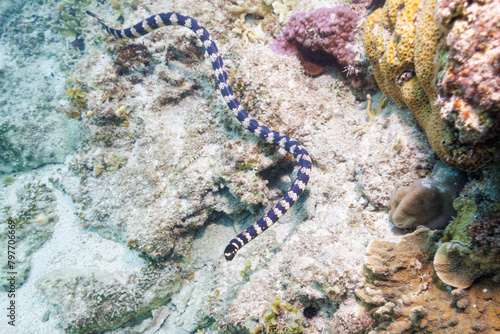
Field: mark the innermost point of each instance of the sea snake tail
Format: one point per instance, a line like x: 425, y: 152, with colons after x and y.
x: 261, y: 131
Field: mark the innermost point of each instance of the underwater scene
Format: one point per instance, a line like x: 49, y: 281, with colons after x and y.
x: 250, y: 166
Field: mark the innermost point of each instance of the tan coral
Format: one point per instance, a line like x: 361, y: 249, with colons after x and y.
x: 458, y: 265
x: 454, y: 266
x: 429, y: 201
x: 404, y: 296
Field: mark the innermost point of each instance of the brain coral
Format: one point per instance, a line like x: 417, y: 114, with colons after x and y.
x: 428, y: 202
x: 411, y: 48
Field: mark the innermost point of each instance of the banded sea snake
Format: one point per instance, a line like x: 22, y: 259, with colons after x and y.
x: 291, y: 145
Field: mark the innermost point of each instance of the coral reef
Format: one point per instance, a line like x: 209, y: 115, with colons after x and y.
x: 428, y: 202
x: 92, y: 301
x: 403, y: 42
x: 32, y: 81
x: 468, y: 78
x: 261, y: 8
x: 325, y: 36
x: 31, y: 208
x: 470, y: 244
x: 403, y: 295
x: 172, y: 205
x: 282, y: 318
x: 187, y: 196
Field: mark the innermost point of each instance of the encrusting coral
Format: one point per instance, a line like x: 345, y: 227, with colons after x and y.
x: 471, y: 242
x: 405, y: 39
x: 404, y: 296
x: 325, y: 36
x: 429, y: 201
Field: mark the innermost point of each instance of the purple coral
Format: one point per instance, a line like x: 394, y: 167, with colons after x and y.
x: 485, y: 234
x: 316, y: 37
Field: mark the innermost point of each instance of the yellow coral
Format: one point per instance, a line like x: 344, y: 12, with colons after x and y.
x: 77, y: 96
x: 402, y: 41
x: 283, y: 318
x: 246, y: 31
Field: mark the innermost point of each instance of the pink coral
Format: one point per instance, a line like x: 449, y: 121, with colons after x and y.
x: 320, y: 37
x: 469, y: 77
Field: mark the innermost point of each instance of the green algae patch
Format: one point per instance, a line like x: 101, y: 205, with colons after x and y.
x: 466, y: 215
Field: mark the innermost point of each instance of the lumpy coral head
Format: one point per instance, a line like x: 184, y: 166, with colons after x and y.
x: 428, y: 202
x: 319, y: 36
x: 440, y: 59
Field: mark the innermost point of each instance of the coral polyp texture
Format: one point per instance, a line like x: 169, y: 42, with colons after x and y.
x: 403, y: 295
x: 440, y: 59
x: 320, y: 37
x: 429, y: 201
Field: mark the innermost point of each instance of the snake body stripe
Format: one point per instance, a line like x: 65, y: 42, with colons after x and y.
x: 291, y: 145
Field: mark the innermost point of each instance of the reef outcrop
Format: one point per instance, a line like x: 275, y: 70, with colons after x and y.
x: 471, y: 242
x: 323, y: 37
x: 403, y: 295
x: 440, y: 59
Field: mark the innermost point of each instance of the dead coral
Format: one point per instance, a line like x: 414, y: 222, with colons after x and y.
x: 32, y: 213
x: 131, y: 58
x: 93, y: 301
